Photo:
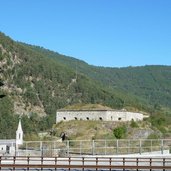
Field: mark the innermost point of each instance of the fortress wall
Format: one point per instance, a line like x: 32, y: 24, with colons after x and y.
x: 116, y: 116
x: 67, y: 115
x: 134, y: 116
x: 123, y: 116
x: 80, y: 115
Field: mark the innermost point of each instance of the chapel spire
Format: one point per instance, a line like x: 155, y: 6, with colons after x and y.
x: 19, y: 134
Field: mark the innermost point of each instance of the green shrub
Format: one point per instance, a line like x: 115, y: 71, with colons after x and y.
x: 120, y: 132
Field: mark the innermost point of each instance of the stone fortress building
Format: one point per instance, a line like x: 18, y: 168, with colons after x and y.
x: 103, y: 115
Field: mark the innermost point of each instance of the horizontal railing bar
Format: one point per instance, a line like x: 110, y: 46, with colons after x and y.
x: 149, y: 163
x: 85, y: 157
x: 83, y: 166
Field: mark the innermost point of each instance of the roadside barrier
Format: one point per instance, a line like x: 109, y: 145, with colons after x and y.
x: 83, y: 163
x: 88, y: 147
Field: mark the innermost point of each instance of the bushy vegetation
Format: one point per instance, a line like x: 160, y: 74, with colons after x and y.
x: 120, y: 132
x: 7, y: 119
x: 161, y: 121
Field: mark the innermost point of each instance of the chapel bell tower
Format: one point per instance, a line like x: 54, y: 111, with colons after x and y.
x: 19, y: 134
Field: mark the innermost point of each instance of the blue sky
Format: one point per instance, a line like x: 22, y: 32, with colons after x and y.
x: 115, y: 33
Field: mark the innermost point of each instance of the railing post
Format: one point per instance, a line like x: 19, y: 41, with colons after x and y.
x: 28, y: 161
x: 0, y: 161
x: 150, y: 163
x: 14, y: 162
x: 41, y: 148
x: 51, y: 149
x: 69, y: 163
x: 80, y: 148
x: 164, y: 161
x: 140, y: 147
x: 83, y: 162
x: 110, y: 163
x: 55, y: 162
x: 26, y: 150
x: 137, y: 164
x: 162, y: 147
x: 123, y: 164
x: 68, y: 147
x: 93, y: 146
x: 116, y: 146
x: 105, y: 146
x: 54, y: 148
x: 96, y: 163
x: 42, y: 163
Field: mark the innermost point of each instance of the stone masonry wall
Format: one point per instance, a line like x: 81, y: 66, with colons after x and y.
x: 105, y: 115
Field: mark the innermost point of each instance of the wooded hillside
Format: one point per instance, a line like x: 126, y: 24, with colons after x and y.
x: 35, y: 82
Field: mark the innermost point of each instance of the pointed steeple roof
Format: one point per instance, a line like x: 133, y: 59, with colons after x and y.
x: 19, y: 129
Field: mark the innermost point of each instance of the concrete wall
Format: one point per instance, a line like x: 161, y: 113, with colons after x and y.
x: 3, y: 149
x: 105, y: 115
x: 6, y: 149
x: 123, y: 116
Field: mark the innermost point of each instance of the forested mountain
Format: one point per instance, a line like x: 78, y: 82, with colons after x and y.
x: 151, y: 83
x: 36, y: 82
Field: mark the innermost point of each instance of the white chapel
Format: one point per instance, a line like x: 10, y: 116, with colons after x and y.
x: 9, y: 146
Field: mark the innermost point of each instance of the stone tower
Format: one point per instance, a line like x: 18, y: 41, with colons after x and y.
x: 19, y: 134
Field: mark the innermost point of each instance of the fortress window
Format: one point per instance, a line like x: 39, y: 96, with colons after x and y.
x: 119, y: 119
x: 111, y: 118
x: 87, y: 118
x: 75, y: 118
x: 100, y: 119
x: 64, y: 118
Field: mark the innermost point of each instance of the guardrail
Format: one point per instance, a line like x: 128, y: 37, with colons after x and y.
x: 83, y: 163
x: 93, y: 147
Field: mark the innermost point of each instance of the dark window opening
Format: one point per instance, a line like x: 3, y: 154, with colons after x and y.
x: 7, y: 149
x: 119, y: 119
x: 64, y: 118
x: 87, y: 118
x: 101, y: 118
x: 76, y: 118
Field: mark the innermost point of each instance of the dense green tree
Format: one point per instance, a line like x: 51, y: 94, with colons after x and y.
x: 120, y: 132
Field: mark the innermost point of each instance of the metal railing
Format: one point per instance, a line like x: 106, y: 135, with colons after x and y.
x: 94, y: 147
x: 82, y: 163
x: 90, y: 147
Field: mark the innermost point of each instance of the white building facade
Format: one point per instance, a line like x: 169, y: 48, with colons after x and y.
x: 9, y: 146
x: 103, y: 115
